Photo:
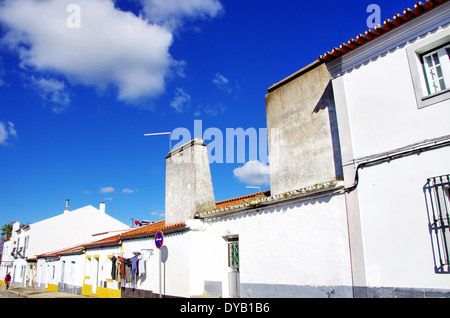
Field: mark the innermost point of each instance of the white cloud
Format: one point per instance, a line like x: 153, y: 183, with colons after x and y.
x: 111, y: 48
x: 181, y: 101
x: 128, y: 191
x: 174, y: 13
x: 2, y: 73
x: 224, y: 83
x: 7, y: 130
x: 253, y: 173
x: 106, y: 190
x: 158, y: 213
x: 53, y: 91
x: 220, y: 80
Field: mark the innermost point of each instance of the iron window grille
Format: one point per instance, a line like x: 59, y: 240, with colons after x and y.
x: 437, y: 192
x: 233, y: 253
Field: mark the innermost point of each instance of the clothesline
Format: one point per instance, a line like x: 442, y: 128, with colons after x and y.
x: 127, y: 268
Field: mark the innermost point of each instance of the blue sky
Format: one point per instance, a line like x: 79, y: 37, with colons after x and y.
x: 81, y: 85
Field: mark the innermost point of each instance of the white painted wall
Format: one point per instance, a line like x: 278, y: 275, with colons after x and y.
x: 175, y: 272
x: 382, y: 107
x: 74, y: 266
x: 70, y: 229
x: 98, y: 271
x: 378, y: 112
x: 397, y: 243
x: 302, y: 246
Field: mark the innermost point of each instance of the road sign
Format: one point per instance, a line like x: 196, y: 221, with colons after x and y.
x: 159, y: 239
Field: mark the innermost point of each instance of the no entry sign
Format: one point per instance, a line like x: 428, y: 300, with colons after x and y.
x: 159, y: 239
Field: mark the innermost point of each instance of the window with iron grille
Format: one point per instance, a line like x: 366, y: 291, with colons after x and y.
x: 233, y: 253
x: 437, y: 192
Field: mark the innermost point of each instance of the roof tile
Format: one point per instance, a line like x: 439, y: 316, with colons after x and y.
x: 398, y: 20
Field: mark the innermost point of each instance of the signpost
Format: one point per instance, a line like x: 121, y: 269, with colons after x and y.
x: 159, y: 239
x: 159, y: 243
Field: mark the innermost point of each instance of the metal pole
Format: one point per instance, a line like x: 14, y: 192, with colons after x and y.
x: 160, y: 296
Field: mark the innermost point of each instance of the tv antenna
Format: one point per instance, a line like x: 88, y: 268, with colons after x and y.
x: 250, y: 187
x: 162, y: 133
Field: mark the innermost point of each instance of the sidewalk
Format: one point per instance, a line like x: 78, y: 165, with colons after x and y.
x: 36, y: 293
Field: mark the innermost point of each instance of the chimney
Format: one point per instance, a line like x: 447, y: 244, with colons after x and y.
x: 102, y: 207
x: 188, y: 182
x: 66, y: 209
x: 302, y: 129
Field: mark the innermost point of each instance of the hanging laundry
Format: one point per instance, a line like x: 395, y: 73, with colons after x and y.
x: 122, y: 268
x: 117, y: 269
x: 141, y: 265
x: 134, y: 268
x: 127, y: 271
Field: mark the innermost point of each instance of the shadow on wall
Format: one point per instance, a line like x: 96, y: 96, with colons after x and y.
x: 326, y: 101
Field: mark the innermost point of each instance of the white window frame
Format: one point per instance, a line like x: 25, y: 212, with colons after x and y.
x: 434, y: 42
x: 436, y: 67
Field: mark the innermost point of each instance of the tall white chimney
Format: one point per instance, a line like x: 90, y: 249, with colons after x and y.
x: 102, y: 207
x: 66, y: 209
x: 302, y: 128
x: 188, y: 182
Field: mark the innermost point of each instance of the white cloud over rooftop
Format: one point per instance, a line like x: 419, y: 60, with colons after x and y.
x: 111, y: 48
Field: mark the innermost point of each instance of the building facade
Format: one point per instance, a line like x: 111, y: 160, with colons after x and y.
x: 359, y: 200
x: 392, y: 96
x: 57, y: 233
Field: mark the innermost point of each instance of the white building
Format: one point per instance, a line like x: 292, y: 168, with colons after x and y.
x: 359, y: 201
x: 60, y: 232
x: 392, y: 94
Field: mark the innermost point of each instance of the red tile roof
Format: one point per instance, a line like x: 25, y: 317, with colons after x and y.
x: 106, y: 241
x: 74, y: 249
x: 398, y: 20
x: 247, y: 198
x: 114, y: 240
x: 152, y: 228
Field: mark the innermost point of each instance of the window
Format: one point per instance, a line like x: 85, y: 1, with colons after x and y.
x: 87, y: 267
x: 429, y: 64
x: 109, y: 267
x: 72, y: 270
x: 233, y: 253
x: 437, y: 191
x: 437, y: 70
x: 25, y: 246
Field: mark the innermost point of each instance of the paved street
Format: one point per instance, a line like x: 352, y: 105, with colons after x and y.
x: 5, y: 294
x: 22, y: 292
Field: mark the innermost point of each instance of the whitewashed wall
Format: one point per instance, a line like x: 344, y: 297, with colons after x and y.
x: 397, y: 241
x: 378, y: 113
x: 295, y: 250
x: 97, y: 270
x: 65, y: 230
x: 175, y: 271
x: 72, y: 279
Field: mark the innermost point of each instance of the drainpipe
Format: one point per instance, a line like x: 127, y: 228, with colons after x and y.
x: 418, y: 148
